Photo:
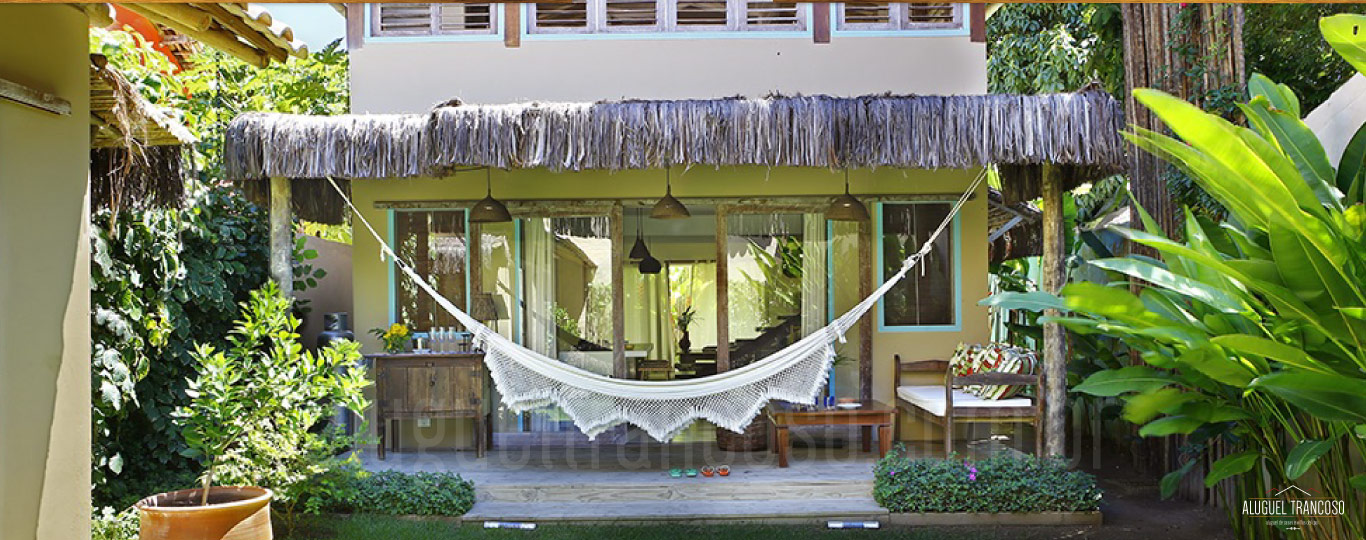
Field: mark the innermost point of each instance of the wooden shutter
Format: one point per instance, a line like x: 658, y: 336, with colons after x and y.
x: 631, y: 15
x: 559, y: 17
x: 932, y: 15
x: 401, y: 19
x: 701, y: 14
x: 466, y: 19
x: 767, y: 15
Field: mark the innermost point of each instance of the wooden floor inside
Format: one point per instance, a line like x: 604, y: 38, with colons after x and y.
x: 829, y: 478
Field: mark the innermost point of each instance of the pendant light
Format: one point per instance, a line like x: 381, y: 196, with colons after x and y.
x: 669, y: 207
x: 648, y: 264
x: 639, y: 251
x: 489, y: 210
x: 846, y: 207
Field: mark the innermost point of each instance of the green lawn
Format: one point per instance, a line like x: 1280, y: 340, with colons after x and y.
x: 389, y: 528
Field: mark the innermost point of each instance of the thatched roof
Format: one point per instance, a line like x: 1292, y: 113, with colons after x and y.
x: 135, y: 154
x: 925, y: 132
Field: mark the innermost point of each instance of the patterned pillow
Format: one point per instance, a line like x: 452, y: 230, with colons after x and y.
x: 997, y: 358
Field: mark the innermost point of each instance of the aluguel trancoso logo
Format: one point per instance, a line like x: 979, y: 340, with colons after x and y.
x: 1293, y: 508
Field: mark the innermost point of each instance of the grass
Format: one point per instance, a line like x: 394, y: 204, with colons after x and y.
x: 364, y: 527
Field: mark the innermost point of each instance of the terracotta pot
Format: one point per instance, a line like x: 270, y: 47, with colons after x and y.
x: 233, y: 513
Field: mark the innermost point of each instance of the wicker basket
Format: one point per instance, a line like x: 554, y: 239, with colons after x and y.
x: 754, y: 438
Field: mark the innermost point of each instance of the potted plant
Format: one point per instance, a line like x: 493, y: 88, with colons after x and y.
x: 256, y: 415
x: 395, y: 338
x: 682, y: 321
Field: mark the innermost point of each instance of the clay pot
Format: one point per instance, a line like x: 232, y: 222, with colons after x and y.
x: 233, y: 513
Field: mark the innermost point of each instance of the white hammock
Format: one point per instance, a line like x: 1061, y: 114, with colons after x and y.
x: 528, y: 380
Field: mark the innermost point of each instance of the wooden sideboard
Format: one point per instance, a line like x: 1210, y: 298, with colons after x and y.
x: 429, y: 385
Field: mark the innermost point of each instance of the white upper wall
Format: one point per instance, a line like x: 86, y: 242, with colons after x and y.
x: 1338, y: 118
x: 411, y: 74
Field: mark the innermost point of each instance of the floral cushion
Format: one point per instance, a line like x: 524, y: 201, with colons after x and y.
x: 995, y: 357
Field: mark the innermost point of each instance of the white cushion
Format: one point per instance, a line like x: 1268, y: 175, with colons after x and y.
x: 931, y: 398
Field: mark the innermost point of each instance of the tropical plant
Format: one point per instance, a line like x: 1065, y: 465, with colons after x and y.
x: 350, y: 489
x: 1034, y: 48
x: 1251, y: 330
x: 160, y: 280
x: 257, y: 408
x: 685, y: 318
x: 997, y: 485
x: 778, y: 285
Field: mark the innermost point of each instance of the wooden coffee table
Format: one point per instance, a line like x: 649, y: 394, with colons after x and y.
x: 869, y: 415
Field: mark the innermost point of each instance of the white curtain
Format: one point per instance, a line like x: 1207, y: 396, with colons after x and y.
x: 813, y: 273
x: 539, y: 292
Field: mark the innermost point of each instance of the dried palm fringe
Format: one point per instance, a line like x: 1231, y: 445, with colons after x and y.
x: 924, y: 132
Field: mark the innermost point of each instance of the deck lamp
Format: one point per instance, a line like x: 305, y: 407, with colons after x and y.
x: 639, y: 251
x: 846, y: 207
x: 489, y: 210
x: 669, y: 207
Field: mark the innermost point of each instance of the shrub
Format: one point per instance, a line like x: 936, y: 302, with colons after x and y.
x: 996, y: 485
x: 352, y: 490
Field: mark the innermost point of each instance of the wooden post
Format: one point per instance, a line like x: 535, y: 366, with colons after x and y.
x: 355, y: 26
x: 865, y: 323
x: 512, y: 25
x: 281, y: 236
x: 619, y: 367
x: 1054, y: 337
x: 722, y: 292
x: 820, y: 23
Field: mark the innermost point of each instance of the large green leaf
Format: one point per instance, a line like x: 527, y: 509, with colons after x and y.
x: 1279, y: 95
x: 1141, y: 408
x: 1171, y: 480
x: 1111, y: 302
x: 1171, y: 425
x: 1028, y: 301
x: 1347, y: 34
x: 1198, y: 165
x: 1113, y: 382
x: 1230, y: 465
x: 1358, y: 482
x: 1219, y: 367
x: 1304, y: 455
x: 1352, y: 167
x: 1296, y: 140
x: 1260, y: 171
x: 1215, y: 298
x: 1328, y: 397
x: 1272, y: 350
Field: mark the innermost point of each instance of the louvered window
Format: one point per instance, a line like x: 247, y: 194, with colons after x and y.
x: 622, y: 16
x: 919, y: 16
x: 433, y: 19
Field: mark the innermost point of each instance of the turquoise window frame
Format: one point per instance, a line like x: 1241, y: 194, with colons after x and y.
x: 962, y: 29
x: 525, y: 30
x: 957, y: 249
x: 392, y: 238
x: 497, y: 35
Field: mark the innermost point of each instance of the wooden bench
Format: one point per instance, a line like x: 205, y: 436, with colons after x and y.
x: 946, y: 405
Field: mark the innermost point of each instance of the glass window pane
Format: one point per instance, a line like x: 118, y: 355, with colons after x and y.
x: 436, y: 244
x: 764, y: 270
x: 926, y: 295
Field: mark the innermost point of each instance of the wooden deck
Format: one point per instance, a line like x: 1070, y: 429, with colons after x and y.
x: 624, y: 484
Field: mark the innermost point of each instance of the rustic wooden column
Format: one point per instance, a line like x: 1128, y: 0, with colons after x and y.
x: 1054, y: 337
x: 619, y: 368
x: 865, y: 323
x: 281, y: 235
x: 722, y: 292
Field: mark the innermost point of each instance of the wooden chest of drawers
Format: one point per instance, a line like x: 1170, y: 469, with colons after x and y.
x: 429, y: 385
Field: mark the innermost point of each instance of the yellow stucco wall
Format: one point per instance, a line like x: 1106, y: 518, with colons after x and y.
x: 370, y: 278
x: 44, y: 279
x: 389, y: 77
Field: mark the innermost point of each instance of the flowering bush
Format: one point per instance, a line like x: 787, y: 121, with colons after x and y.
x: 995, y: 485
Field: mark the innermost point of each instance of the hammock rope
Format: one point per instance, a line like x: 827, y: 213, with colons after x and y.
x: 528, y: 380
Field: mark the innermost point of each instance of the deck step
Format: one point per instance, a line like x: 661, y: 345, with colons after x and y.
x: 768, y: 511
x: 687, y: 489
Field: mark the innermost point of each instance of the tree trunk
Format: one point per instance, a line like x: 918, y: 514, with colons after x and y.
x: 1194, y: 53
x: 1054, y: 273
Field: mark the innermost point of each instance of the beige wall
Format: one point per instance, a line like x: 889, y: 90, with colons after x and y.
x: 44, y: 279
x: 371, y: 276
x: 391, y: 77
x: 333, y: 292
